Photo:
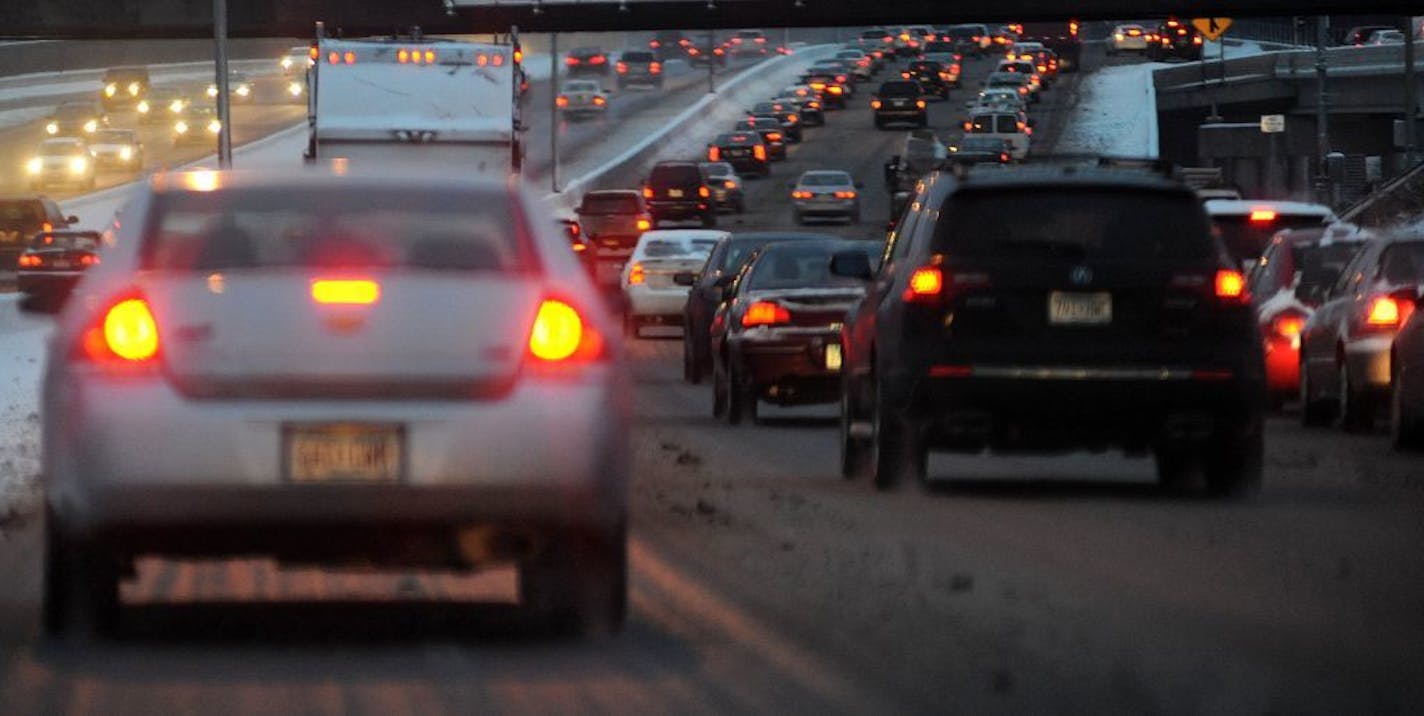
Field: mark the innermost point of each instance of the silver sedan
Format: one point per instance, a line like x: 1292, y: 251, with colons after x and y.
x: 331, y: 370
x: 825, y: 193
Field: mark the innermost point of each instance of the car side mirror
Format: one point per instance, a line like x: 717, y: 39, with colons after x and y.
x: 71, y: 219
x: 684, y: 278
x: 724, y: 281
x: 851, y: 264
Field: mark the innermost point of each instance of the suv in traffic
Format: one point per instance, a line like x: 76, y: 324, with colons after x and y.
x: 639, y: 67
x: 612, y: 219
x: 1107, y: 317
x: 900, y: 101
x: 123, y: 86
x: 21, y: 217
x: 679, y: 191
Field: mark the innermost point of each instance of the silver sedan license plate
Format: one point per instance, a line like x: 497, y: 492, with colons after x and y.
x: 342, y: 452
x: 1079, y: 309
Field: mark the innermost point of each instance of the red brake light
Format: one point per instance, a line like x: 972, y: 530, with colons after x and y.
x: 571, y: 61
x: 599, y: 100
x: 127, y: 332
x: 1231, y: 286
x: 845, y: 195
x: 1263, y: 215
x: 773, y: 136
x: 875, y: 104
x: 800, y: 194
x: 644, y: 224
x: 597, y: 60
x: 1384, y: 311
x: 88, y: 260
x: 714, y: 154
x: 927, y: 282
x: 622, y: 68
x: 655, y: 68
x: 357, y: 292
x: 765, y: 313
x: 759, y: 151
x: 647, y: 192
x: 635, y: 274
x: 1288, y: 325
x: 29, y: 260
x: 561, y: 101
x: 704, y: 192
x: 560, y: 334
x: 919, y: 104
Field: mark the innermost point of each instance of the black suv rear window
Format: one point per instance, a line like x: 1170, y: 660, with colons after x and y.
x: 738, y: 139
x: 675, y: 175
x: 899, y: 89
x: 1246, y: 239
x: 1073, y: 223
x: 1403, y: 263
x: 638, y: 56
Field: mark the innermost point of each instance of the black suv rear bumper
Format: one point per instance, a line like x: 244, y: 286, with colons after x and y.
x: 674, y: 209
x: 1045, y: 408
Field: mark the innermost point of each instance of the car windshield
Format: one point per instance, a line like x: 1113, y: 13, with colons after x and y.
x: 1246, y: 237
x: 1073, y: 224
x: 113, y: 136
x: 610, y: 204
x: 676, y: 175
x: 735, y: 139
x: 84, y: 242
x: 802, y: 265
x: 1319, y: 264
x: 1402, y: 263
x: 74, y: 111
x: 825, y: 179
x: 718, y: 169
x: 980, y: 144
x: 264, y: 228
x: 61, y: 147
x: 899, y: 89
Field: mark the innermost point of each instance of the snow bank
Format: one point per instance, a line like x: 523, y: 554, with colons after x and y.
x: 1116, y: 114
x: 21, y: 362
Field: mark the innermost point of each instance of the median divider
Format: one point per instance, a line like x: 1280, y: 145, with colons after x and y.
x: 686, y: 135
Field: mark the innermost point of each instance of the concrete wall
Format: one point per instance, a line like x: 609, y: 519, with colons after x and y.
x: 63, y: 55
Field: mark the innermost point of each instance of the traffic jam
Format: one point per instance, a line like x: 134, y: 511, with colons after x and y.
x: 870, y: 271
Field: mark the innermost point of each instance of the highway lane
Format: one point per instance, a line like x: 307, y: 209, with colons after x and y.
x: 763, y: 581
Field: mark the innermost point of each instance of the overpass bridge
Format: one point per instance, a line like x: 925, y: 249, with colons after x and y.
x: 1364, y: 96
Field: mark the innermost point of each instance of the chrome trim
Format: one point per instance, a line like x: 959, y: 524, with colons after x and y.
x: 1079, y: 373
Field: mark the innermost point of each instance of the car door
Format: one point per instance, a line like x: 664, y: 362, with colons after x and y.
x: 1323, y: 331
x: 858, y: 336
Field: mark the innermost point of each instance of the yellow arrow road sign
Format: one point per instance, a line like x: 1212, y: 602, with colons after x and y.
x: 1211, y: 27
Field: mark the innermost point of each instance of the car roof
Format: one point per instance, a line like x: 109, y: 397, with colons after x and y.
x: 779, y: 236
x: 682, y: 234
x: 836, y: 172
x: 203, y: 180
x: 1049, y: 176
x: 1224, y: 207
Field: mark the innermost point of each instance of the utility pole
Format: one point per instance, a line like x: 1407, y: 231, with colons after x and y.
x: 220, y: 66
x: 1411, y: 135
x: 554, y: 112
x: 711, y: 55
x: 1322, y: 110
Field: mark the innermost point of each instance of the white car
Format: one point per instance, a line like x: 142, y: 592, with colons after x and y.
x: 336, y: 370
x: 998, y: 98
x: 1013, y: 127
x: 117, y: 149
x: 652, y: 295
x: 581, y: 97
x: 1127, y: 38
x: 62, y: 160
x: 296, y: 62
x: 825, y: 193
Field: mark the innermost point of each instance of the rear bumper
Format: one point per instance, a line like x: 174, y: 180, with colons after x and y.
x: 747, y: 164
x: 135, y: 453
x: 666, y: 303
x: 1032, y: 408
x: 1282, y: 366
x: 46, y: 281
x: 845, y: 207
x: 790, y: 370
x: 1368, y: 361
x: 664, y: 209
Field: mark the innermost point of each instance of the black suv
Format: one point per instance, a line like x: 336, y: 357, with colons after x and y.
x: 1174, y: 38
x: 927, y: 73
x: 900, y: 101
x: 21, y: 217
x: 1108, y: 316
x: 679, y: 191
x: 123, y: 86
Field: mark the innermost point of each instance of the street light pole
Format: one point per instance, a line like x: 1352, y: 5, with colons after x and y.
x: 1411, y: 136
x: 1322, y: 110
x: 220, y: 63
x: 711, y: 66
x: 554, y: 111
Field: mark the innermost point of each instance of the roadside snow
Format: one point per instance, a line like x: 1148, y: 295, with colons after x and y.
x: 21, y: 363
x: 1116, y: 114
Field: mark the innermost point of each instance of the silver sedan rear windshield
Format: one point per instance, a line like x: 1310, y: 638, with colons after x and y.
x: 334, y: 228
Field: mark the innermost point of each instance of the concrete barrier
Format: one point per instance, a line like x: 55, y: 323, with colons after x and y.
x: 68, y: 55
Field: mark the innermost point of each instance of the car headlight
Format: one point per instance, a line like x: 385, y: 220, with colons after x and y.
x: 294, y: 89
x: 35, y: 165
x: 286, y: 63
x: 243, y: 90
x: 91, y: 126
x: 133, y: 89
x: 78, y: 165
x: 126, y: 153
x: 180, y: 127
x: 214, y: 127
x: 212, y: 90
x: 175, y: 106
x: 110, y: 89
x: 52, y: 128
x: 142, y: 106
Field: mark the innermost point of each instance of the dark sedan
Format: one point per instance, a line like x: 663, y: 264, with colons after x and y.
x: 776, y: 336
x: 722, y: 266
x: 55, y: 261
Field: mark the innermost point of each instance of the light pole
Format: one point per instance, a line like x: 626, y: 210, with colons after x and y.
x: 220, y: 63
x: 554, y: 111
x: 1322, y: 110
